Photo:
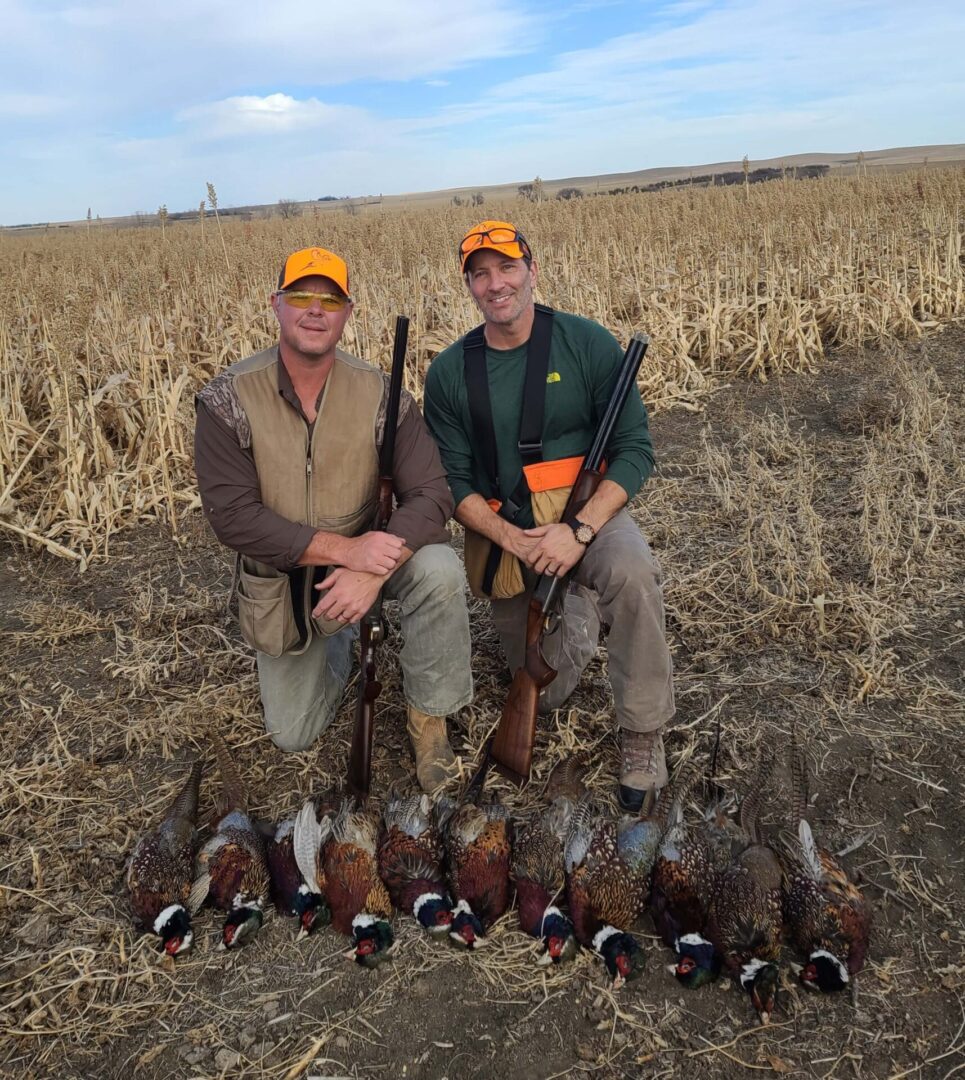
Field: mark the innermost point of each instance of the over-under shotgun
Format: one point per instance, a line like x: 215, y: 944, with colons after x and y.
x: 372, y: 628
x: 511, y: 748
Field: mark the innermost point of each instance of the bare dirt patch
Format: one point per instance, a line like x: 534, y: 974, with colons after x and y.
x: 813, y: 535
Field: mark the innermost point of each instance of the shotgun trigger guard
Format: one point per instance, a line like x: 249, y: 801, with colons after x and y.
x: 553, y: 619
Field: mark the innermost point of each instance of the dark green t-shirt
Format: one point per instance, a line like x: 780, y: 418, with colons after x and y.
x: 584, y: 358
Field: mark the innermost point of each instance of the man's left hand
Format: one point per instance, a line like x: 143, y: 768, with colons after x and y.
x: 347, y: 595
x: 558, y: 550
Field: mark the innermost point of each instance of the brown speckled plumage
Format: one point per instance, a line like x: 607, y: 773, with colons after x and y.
x: 410, y: 852
x: 478, y: 842
x: 745, y: 920
x: 233, y: 863
x: 351, y: 880
x: 608, y: 866
x: 745, y: 916
x: 161, y: 867
x: 823, y: 909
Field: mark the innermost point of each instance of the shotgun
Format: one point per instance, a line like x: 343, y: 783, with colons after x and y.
x: 372, y: 628
x: 511, y: 748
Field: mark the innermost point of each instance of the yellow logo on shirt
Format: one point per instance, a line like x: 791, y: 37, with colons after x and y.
x: 554, y: 376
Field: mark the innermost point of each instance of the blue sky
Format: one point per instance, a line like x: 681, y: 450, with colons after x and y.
x: 118, y: 107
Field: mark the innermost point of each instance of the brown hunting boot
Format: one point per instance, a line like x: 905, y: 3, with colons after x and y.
x: 643, y: 767
x: 434, y: 759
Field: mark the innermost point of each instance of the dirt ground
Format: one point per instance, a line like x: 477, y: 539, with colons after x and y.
x: 812, y: 531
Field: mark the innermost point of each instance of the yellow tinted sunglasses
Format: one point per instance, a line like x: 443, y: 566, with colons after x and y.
x: 328, y: 301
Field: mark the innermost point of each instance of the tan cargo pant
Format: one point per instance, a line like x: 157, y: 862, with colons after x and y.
x: 619, y: 583
x: 301, y: 693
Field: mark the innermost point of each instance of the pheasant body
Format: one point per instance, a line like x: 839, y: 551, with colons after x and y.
x: 828, y: 920
x: 608, y: 868
x: 290, y: 893
x: 477, y: 840
x: 231, y: 869
x: 410, y: 862
x: 347, y: 873
x: 160, y: 871
x: 536, y: 868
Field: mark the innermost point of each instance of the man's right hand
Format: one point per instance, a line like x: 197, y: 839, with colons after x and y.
x: 371, y: 553
x: 517, y: 543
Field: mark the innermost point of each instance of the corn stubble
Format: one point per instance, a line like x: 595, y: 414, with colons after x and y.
x: 105, y: 339
x: 809, y: 572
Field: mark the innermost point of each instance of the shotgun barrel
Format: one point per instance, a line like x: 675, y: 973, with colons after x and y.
x: 511, y: 748
x: 372, y: 629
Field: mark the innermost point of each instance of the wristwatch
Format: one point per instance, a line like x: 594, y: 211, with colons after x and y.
x: 584, y: 534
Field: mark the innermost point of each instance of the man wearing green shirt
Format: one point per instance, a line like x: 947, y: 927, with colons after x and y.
x: 618, y: 580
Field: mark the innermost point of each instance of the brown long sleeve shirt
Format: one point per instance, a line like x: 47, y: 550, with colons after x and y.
x: 231, y: 491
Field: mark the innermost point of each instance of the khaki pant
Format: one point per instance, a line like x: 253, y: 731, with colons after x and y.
x: 619, y: 583
x: 301, y: 693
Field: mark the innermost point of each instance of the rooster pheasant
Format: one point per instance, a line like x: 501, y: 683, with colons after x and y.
x: 410, y: 859
x: 337, y: 857
x: 477, y: 838
x: 826, y: 918
x: 291, y: 894
x: 608, y: 866
x: 744, y: 922
x: 231, y: 869
x: 536, y: 866
x: 160, y: 871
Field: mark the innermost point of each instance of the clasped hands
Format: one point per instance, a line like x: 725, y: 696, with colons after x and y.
x: 548, y: 549
x: 366, y: 562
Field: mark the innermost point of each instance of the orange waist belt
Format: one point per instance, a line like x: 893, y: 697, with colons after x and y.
x: 549, y: 475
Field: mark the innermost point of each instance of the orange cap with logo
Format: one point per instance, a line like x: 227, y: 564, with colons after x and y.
x: 499, y: 236
x: 311, y: 262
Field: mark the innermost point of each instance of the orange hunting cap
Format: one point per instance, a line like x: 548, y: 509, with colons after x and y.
x: 311, y: 262
x: 499, y: 236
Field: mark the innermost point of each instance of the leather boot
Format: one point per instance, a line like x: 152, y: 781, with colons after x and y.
x: 434, y: 759
x: 643, y: 767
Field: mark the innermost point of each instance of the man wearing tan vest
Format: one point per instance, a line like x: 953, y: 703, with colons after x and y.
x: 513, y: 406
x: 286, y: 454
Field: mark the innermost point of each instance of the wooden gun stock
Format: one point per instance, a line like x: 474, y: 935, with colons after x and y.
x: 372, y: 631
x: 360, y: 756
x: 511, y: 748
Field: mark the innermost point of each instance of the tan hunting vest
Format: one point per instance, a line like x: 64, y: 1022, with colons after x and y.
x: 330, y: 482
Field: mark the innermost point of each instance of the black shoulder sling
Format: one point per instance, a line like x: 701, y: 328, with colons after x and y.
x: 530, y: 422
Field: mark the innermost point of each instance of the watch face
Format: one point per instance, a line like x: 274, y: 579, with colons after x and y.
x: 584, y: 533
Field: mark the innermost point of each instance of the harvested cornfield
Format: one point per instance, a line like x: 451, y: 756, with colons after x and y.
x: 812, y: 532
x: 104, y: 335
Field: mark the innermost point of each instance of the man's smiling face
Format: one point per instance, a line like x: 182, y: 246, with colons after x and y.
x: 312, y: 332
x: 502, y: 287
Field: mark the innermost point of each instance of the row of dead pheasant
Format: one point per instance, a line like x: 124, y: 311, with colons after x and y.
x: 720, y: 897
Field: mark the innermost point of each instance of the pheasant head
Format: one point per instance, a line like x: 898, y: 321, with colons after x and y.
x: 621, y: 954
x: 759, y: 979
x: 466, y: 929
x: 559, y: 941
x: 372, y: 941
x: 173, y: 926
x: 824, y: 972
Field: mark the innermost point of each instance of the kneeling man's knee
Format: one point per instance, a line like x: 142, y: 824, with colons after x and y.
x: 438, y: 568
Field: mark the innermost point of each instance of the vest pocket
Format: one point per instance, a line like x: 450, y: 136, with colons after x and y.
x: 265, y: 612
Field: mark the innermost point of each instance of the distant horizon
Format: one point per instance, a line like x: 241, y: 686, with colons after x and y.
x: 104, y: 109
x: 882, y: 158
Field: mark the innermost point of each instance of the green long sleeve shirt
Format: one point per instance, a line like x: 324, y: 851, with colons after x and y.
x: 584, y: 358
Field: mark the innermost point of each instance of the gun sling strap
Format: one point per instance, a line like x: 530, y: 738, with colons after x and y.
x: 530, y: 422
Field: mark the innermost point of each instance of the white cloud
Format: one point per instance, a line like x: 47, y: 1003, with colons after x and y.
x: 140, y: 112
x: 270, y: 115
